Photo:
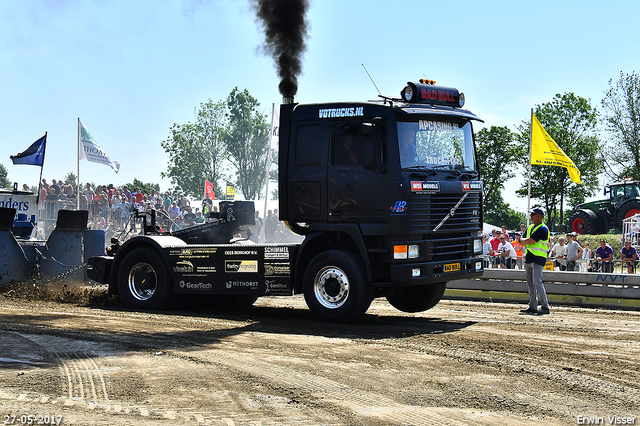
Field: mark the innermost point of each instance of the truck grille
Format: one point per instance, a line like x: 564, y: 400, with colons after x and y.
x: 448, y: 249
x: 427, y: 211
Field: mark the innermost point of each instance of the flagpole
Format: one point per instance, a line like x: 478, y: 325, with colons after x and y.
x: 78, y: 164
x: 266, y: 195
x: 530, y: 147
x: 44, y: 151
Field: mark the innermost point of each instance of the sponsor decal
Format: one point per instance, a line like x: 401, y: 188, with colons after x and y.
x: 274, y: 269
x: 273, y: 285
x: 399, y: 207
x: 252, y: 284
x: 472, y: 186
x: 425, y: 186
x: 241, y: 253
x: 241, y: 266
x: 189, y: 253
x: 437, y: 125
x: 183, y: 266
x: 207, y: 269
x: 341, y: 112
x: 196, y: 286
x: 276, y: 253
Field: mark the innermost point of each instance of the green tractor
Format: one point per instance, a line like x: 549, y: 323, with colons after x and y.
x: 597, y: 217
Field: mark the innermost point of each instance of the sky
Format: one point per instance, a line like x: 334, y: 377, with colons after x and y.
x: 131, y: 69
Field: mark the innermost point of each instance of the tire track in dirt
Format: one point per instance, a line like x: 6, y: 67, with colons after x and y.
x: 362, y: 403
x: 516, y: 362
x: 84, y: 378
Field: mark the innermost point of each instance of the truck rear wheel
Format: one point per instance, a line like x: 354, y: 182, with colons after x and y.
x: 417, y: 298
x: 143, y: 280
x: 335, y: 286
x: 584, y: 222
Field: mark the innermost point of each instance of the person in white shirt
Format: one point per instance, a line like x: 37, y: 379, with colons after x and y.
x: 585, y: 265
x: 174, y: 210
x: 508, y: 255
x: 559, y: 252
x: 486, y: 251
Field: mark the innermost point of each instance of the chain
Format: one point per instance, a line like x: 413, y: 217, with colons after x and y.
x: 69, y: 272
x: 64, y: 274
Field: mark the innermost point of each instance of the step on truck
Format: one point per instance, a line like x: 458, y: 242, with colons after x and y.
x: 386, y: 194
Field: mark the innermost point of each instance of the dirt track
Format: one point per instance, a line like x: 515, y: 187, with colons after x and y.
x: 98, y: 363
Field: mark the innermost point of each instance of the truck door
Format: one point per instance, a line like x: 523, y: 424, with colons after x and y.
x: 307, y: 184
x: 356, y: 191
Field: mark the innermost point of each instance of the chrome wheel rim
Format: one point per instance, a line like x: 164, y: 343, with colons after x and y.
x: 142, y: 281
x: 331, y: 287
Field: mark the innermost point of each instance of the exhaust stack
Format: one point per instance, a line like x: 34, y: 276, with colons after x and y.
x: 287, y: 100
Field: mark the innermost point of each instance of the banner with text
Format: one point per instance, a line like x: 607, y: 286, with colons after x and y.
x: 89, y: 150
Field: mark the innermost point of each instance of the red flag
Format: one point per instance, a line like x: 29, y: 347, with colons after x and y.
x: 208, y: 190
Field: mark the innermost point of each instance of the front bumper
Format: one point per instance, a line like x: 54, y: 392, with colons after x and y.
x: 100, y: 268
x: 420, y: 273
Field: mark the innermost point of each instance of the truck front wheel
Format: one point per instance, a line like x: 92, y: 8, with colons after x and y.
x: 143, y: 280
x: 417, y: 298
x: 335, y: 286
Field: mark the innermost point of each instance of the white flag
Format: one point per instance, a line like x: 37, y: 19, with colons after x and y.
x: 89, y: 150
x: 274, y: 139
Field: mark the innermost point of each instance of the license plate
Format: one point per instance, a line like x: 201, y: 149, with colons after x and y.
x: 451, y: 267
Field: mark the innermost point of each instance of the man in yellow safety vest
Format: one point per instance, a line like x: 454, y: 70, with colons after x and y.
x: 535, y: 240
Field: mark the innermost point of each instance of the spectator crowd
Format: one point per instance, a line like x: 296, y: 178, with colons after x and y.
x: 503, y: 250
x: 110, y: 208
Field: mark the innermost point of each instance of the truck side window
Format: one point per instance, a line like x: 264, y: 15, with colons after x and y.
x: 309, y: 145
x: 346, y: 143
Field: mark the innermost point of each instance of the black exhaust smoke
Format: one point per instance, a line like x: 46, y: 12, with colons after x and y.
x: 285, y: 29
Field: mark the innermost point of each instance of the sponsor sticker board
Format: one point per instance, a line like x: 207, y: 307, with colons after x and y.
x: 261, y: 270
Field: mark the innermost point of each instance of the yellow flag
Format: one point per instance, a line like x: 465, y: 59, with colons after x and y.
x: 546, y: 152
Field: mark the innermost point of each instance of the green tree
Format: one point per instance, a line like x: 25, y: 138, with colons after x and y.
x: 4, y: 180
x: 196, y: 151
x: 621, y: 116
x: 498, y: 154
x: 247, y: 142
x: 571, y: 121
x: 144, y: 187
x: 501, y: 213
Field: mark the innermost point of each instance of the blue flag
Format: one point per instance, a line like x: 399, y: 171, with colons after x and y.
x: 34, y: 155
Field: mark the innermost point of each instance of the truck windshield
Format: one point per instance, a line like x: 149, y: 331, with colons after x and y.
x: 436, y: 144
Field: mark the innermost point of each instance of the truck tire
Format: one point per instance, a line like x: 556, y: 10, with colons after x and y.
x: 584, y: 222
x: 417, y: 298
x: 335, y: 286
x: 144, y: 281
x: 628, y: 209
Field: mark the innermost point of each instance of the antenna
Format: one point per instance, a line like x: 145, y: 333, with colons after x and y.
x: 374, y: 83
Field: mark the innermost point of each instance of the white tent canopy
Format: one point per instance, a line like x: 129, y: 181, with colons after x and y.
x: 487, y: 228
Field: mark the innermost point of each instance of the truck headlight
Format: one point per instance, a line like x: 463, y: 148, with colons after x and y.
x: 477, y: 246
x: 411, y: 251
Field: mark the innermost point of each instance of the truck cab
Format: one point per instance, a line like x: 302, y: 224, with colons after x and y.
x: 393, y: 183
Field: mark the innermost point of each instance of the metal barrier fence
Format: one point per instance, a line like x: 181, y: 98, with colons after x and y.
x: 589, y: 289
